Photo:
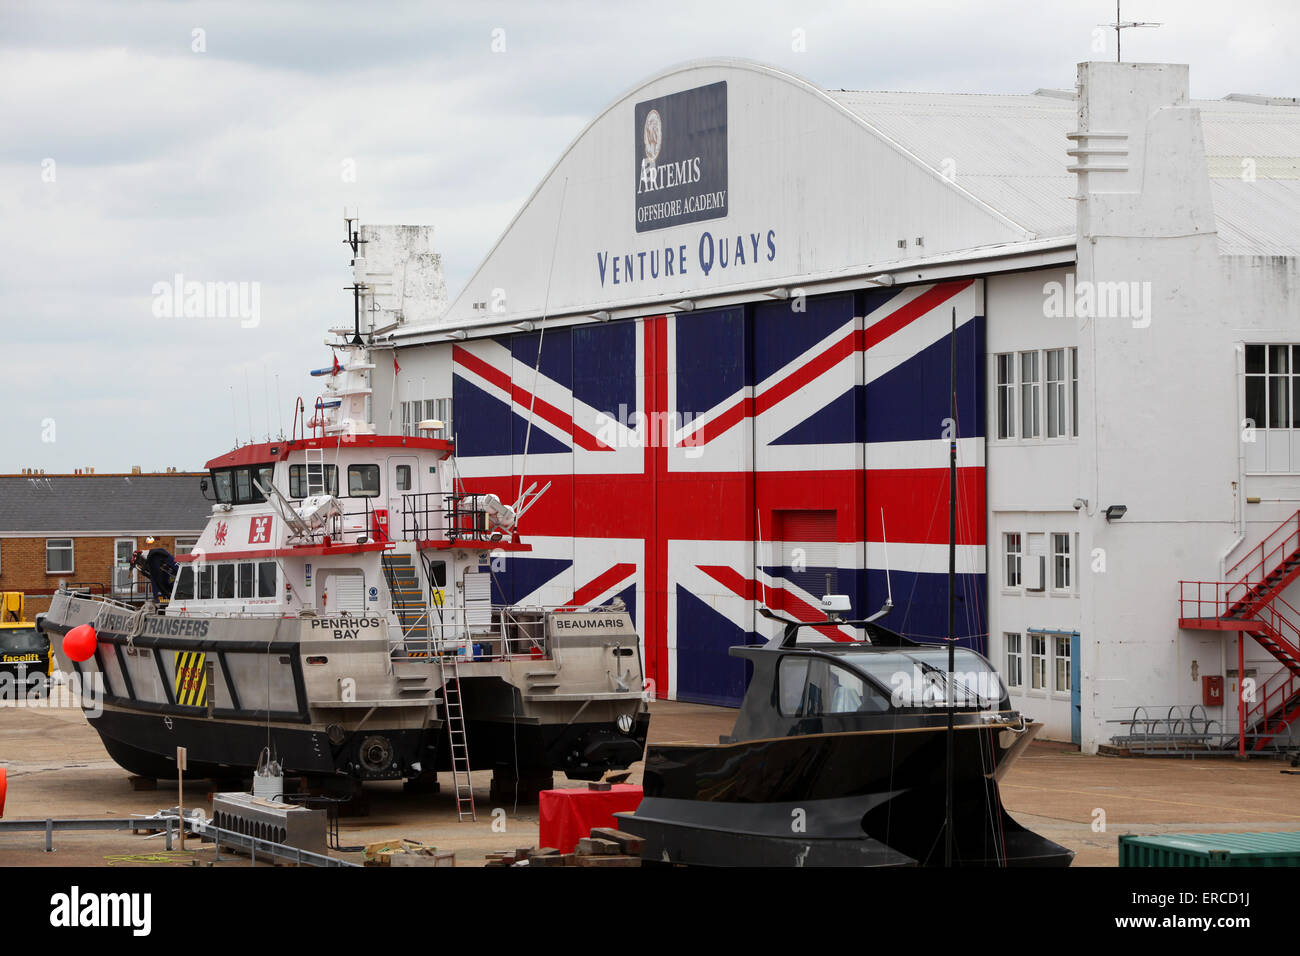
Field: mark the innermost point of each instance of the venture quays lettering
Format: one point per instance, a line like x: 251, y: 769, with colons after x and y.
x: 704, y: 255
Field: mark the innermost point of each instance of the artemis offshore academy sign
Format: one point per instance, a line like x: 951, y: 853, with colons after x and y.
x: 681, y: 158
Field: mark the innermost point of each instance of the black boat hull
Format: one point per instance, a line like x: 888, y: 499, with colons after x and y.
x: 866, y: 798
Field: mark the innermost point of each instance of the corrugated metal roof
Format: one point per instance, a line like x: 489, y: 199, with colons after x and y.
x: 102, y: 503
x: 1010, y: 152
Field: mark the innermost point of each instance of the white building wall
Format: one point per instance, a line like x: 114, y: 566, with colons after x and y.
x: 1031, y: 482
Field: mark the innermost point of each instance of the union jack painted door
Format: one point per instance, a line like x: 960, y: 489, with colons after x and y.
x: 701, y: 462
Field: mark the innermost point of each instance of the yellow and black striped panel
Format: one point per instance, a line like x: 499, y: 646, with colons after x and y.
x: 191, y: 679
x: 437, y: 597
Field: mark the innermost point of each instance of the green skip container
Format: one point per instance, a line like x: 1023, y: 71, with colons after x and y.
x: 1211, y: 849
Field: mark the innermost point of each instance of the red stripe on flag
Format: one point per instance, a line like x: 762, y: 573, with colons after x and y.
x: 734, y: 581
x: 855, y: 341
x: 525, y: 399
x: 600, y: 584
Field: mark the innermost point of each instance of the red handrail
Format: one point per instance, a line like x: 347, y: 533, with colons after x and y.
x: 1265, y: 556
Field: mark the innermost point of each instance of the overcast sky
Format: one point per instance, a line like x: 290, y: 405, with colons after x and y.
x: 128, y: 156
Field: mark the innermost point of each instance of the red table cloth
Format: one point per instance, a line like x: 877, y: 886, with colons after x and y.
x: 569, y: 815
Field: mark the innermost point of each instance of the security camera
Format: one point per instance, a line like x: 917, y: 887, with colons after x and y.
x: 1080, y: 503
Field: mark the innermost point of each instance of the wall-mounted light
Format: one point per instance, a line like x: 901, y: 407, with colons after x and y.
x: 601, y: 316
x: 459, y: 335
x: 1115, y: 512
x: 684, y: 305
x: 781, y: 292
x: 525, y: 326
x: 883, y: 279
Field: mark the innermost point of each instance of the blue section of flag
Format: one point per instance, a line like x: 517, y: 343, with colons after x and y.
x: 712, y: 359
x: 557, y: 356
x: 706, y: 672
x: 486, y: 426
x: 840, y: 422
x: 520, y: 577
x: 921, y: 605
x: 781, y: 333
x: 604, y: 367
x: 911, y: 402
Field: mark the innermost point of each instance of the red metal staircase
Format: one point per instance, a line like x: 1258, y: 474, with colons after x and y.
x: 1253, y: 604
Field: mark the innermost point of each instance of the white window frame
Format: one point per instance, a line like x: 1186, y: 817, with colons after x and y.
x: 1057, y: 659
x: 1014, y: 644
x: 1005, y: 404
x: 1007, y: 561
x: 1038, y: 663
x: 72, y: 555
x: 1067, y: 566
x: 1056, y: 405
x: 1074, y: 392
x: 1030, y: 395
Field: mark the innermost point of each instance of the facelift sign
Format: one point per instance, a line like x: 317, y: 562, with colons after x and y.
x: 681, y: 158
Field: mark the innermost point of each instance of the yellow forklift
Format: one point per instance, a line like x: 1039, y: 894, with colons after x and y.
x: 24, y: 651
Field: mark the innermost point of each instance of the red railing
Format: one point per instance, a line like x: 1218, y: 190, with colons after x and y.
x: 1214, y: 601
x: 1289, y: 542
x: 1278, y: 690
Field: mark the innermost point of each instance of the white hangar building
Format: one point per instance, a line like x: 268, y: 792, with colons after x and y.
x: 721, y: 328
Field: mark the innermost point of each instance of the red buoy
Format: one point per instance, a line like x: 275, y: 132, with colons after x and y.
x: 80, y: 642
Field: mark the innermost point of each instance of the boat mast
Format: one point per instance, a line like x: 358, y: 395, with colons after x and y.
x: 952, y: 588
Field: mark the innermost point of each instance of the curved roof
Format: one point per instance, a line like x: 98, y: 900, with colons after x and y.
x: 841, y: 183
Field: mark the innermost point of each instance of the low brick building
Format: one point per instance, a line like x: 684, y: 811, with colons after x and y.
x: 83, y: 528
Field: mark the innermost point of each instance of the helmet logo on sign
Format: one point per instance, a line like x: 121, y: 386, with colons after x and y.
x: 652, y: 135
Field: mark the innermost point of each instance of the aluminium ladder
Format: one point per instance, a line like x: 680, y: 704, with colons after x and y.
x: 457, y: 738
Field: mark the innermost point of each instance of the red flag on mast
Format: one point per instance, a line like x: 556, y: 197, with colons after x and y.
x: 396, y: 368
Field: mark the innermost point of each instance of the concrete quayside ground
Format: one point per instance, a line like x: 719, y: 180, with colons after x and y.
x: 58, y: 768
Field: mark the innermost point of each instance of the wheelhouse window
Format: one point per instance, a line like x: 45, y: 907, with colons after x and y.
x: 1014, y: 556
x: 363, y: 481
x: 236, y: 486
x: 814, y: 687
x: 298, y: 484
x: 247, y: 588
x: 1015, y: 659
x: 184, y: 589
x: 205, y: 577
x: 58, y: 556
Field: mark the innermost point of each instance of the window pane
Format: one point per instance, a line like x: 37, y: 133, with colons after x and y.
x: 225, y: 580
x: 1279, y: 359
x: 223, y: 485
x: 791, y: 680
x: 184, y: 589
x: 266, y: 579
x: 205, y: 583
x: 363, y: 481
x: 243, y: 486
x: 1254, y: 358
x: 1074, y: 392
x: 1255, y: 407
x: 246, y: 579
x: 1279, y: 402
x: 403, y: 477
